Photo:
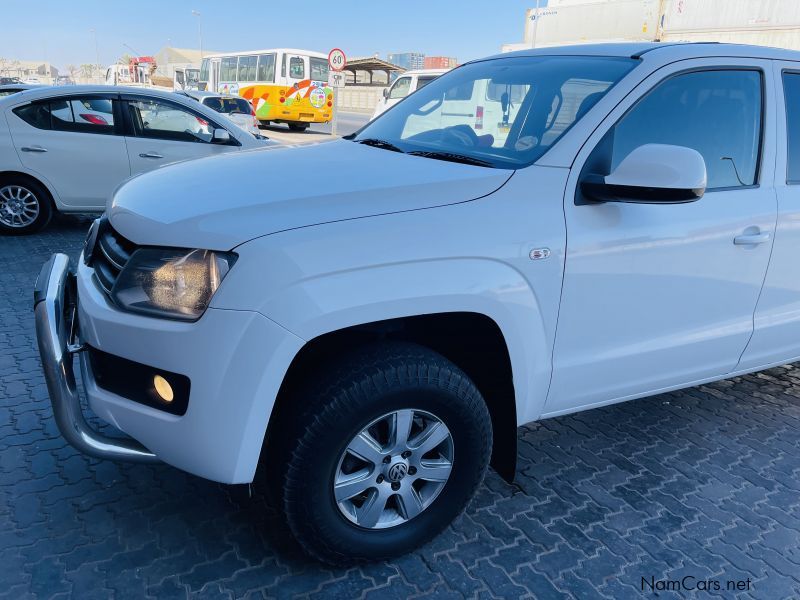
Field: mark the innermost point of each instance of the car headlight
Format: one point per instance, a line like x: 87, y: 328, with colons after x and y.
x: 171, y: 282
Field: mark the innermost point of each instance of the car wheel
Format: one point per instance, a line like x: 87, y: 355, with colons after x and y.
x: 298, y: 126
x: 394, y: 444
x: 25, y: 206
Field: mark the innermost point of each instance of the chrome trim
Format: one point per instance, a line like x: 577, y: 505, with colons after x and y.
x: 50, y: 308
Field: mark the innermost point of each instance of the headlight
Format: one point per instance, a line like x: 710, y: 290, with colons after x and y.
x: 170, y: 282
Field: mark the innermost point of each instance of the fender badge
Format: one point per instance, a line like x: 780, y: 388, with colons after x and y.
x: 539, y: 253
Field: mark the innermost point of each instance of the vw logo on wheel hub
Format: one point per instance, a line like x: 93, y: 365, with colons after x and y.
x: 397, y: 471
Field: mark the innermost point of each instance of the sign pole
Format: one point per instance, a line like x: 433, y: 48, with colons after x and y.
x: 334, y: 116
x: 336, y: 62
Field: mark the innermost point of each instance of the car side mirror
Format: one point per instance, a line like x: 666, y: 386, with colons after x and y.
x: 221, y: 136
x: 651, y: 174
x: 385, y: 93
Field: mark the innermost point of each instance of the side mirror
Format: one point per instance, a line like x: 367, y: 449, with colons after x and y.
x: 221, y: 136
x: 385, y: 93
x: 651, y: 174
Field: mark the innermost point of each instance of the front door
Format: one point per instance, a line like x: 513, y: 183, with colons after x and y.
x: 663, y: 295
x: 163, y: 132
x: 75, y: 144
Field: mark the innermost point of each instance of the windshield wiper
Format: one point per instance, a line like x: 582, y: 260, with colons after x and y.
x: 452, y: 157
x: 383, y: 144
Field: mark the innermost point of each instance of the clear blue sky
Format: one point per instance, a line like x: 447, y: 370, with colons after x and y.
x: 59, y: 30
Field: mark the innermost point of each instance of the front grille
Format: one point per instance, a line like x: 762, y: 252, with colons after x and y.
x: 110, y: 254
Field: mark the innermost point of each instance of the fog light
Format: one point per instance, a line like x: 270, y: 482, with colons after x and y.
x: 163, y: 388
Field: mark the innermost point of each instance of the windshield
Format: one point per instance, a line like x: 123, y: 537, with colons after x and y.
x: 230, y: 106
x: 503, y: 113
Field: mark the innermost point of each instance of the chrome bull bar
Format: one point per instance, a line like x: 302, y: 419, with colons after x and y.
x: 54, y: 305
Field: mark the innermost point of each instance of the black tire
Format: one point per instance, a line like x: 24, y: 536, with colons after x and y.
x: 371, y: 383
x: 297, y: 126
x: 10, y: 186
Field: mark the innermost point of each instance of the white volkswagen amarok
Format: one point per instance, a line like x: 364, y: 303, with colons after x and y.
x: 373, y: 326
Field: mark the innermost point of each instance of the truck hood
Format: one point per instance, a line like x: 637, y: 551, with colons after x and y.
x: 220, y: 202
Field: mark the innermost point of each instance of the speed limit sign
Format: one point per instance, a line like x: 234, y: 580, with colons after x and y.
x: 337, y: 59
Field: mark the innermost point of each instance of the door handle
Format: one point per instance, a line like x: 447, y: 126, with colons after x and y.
x: 150, y: 155
x: 33, y: 149
x: 751, y: 239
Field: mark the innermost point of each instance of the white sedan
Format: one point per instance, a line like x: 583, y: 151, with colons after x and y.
x: 236, y: 108
x: 67, y: 150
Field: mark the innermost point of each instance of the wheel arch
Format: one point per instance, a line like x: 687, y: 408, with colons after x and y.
x: 472, y: 341
x: 11, y: 173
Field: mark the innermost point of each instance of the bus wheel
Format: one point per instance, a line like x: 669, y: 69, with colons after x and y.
x: 298, y: 126
x: 263, y: 124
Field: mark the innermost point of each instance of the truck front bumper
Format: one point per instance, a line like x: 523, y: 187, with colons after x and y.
x: 235, y: 361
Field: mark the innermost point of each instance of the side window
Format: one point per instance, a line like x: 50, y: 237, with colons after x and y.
x: 36, y: 114
x: 266, y: 67
x: 400, y: 89
x: 297, y: 68
x: 82, y: 114
x: 319, y: 69
x: 227, y: 70
x: 717, y: 113
x: 791, y: 90
x: 165, y: 121
x: 247, y: 68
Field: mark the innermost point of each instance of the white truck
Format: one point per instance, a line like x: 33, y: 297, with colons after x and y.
x: 760, y: 22
x: 374, y: 341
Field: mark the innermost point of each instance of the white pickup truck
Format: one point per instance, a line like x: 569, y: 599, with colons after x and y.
x: 373, y: 326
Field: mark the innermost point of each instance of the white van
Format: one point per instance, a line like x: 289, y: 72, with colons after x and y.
x: 408, y: 82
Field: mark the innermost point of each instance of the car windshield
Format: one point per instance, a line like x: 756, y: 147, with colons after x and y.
x: 503, y: 113
x: 230, y: 106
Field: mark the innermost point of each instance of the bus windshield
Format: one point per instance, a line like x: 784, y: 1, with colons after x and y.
x: 504, y: 112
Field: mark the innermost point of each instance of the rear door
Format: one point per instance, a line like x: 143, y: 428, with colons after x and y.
x: 160, y: 132
x: 75, y: 144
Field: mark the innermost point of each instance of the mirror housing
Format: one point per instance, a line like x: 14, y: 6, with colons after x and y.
x: 651, y: 174
x: 221, y: 136
x: 385, y: 93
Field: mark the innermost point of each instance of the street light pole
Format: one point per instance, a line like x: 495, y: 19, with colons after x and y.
x: 96, y: 52
x: 197, y: 14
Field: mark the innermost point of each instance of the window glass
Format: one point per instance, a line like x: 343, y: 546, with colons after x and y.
x: 266, y: 68
x: 297, y: 68
x: 232, y: 106
x: 319, y: 69
x: 495, y: 91
x: 401, y: 88
x: 247, y: 68
x: 717, y: 113
x: 423, y: 81
x: 454, y: 118
x: 227, y: 70
x: 283, y: 66
x: 85, y: 115
x: 163, y: 120
x: 791, y: 89
x: 461, y: 91
x: 36, y: 115
x: 61, y: 113
x: 204, y: 70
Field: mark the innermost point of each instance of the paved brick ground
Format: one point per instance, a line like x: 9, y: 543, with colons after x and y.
x: 702, y: 482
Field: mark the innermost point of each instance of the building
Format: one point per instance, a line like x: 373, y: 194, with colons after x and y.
x: 27, y: 69
x: 440, y: 62
x: 168, y: 59
x: 408, y: 60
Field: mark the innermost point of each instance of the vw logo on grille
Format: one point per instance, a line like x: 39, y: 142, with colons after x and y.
x: 397, y: 471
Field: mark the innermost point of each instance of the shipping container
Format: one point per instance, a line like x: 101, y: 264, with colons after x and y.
x: 762, y: 22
